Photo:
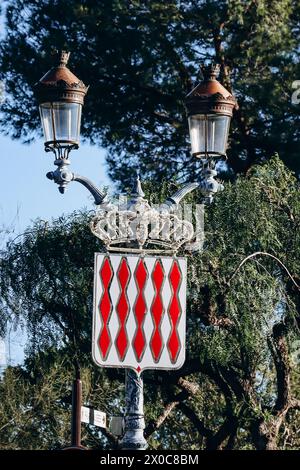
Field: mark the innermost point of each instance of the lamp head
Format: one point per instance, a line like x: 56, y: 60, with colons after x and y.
x: 209, y: 108
x: 60, y: 95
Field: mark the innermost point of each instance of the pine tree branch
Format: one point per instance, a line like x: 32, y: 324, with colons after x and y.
x: 228, y: 428
x: 168, y: 119
x: 147, y: 89
x: 177, y: 62
x: 226, y: 378
x: 294, y: 404
x: 209, y: 316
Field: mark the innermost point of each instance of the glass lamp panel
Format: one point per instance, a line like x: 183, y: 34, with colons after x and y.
x: 217, y: 133
x: 197, y: 133
x: 47, y: 122
x: 67, y: 118
x: 209, y: 134
x: 61, y: 121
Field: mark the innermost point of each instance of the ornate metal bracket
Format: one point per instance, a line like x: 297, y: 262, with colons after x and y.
x: 61, y: 151
x: 207, y: 185
x: 173, y: 201
x: 63, y: 176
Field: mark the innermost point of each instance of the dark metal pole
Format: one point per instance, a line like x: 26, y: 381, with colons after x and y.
x: 76, y: 413
x: 76, y: 416
x: 134, y: 417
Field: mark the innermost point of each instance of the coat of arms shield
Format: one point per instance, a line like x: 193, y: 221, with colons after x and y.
x: 139, y: 317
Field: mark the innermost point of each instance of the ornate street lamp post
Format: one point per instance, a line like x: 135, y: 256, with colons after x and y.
x: 209, y: 108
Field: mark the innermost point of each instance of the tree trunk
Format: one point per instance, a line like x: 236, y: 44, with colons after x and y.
x: 265, y: 434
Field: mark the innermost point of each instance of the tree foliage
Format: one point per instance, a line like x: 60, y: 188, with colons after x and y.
x: 36, y: 402
x: 142, y: 57
x: 239, y: 386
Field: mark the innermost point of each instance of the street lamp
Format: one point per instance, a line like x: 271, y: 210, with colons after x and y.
x: 209, y: 108
x: 60, y: 95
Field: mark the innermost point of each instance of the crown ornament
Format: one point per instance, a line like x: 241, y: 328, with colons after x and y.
x: 133, y: 225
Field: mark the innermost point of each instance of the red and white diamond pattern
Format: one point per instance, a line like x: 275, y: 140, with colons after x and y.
x: 139, y: 311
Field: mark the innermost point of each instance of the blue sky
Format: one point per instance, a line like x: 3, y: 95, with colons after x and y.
x: 26, y: 193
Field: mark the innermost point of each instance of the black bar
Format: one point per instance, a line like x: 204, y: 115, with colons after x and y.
x: 76, y: 413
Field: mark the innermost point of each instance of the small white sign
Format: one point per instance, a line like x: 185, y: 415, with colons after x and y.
x: 91, y: 416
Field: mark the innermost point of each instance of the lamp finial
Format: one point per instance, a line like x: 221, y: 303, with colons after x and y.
x: 210, y: 71
x: 63, y: 58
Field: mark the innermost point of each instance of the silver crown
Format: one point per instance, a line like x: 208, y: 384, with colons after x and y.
x: 133, y: 225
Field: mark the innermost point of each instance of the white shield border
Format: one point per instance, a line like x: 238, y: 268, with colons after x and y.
x: 178, y: 366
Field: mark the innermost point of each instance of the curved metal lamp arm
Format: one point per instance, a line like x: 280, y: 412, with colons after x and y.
x: 88, y: 184
x: 181, y: 193
x: 63, y: 176
x: 207, y: 185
